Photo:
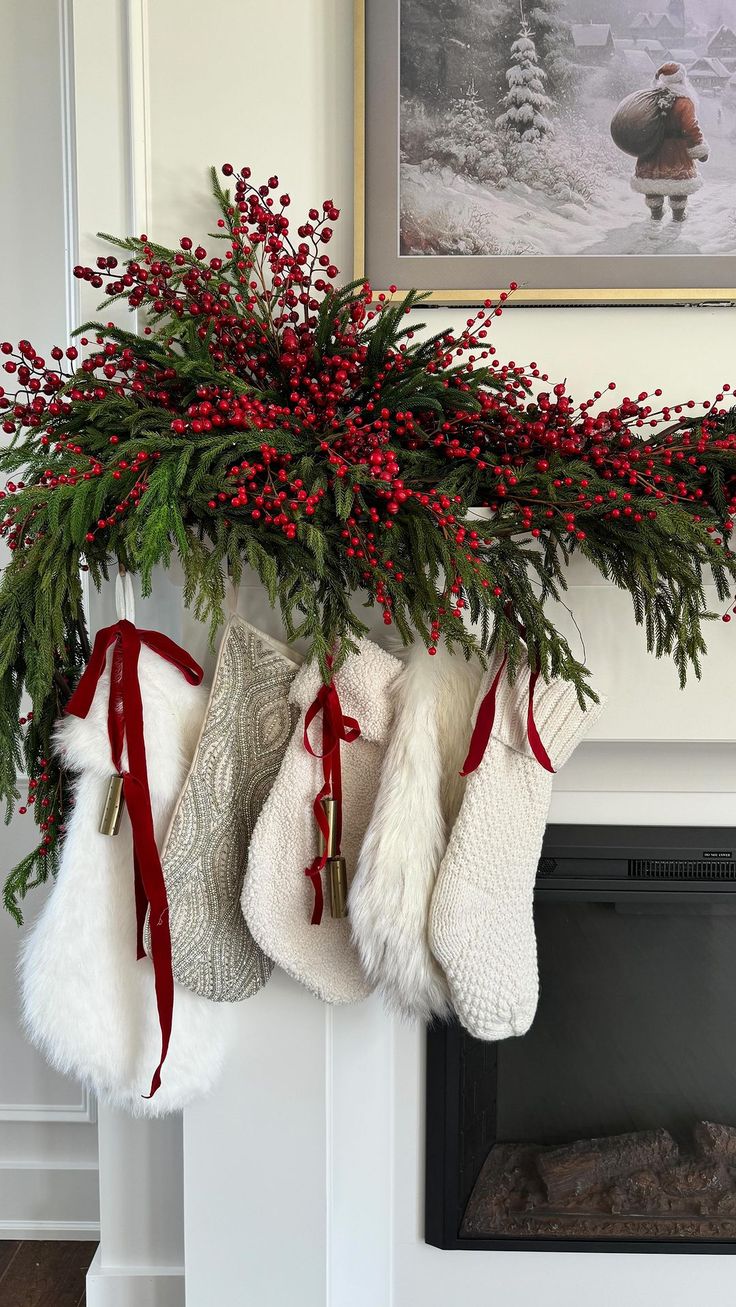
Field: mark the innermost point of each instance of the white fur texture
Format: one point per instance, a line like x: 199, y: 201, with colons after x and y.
x: 277, y: 896
x: 418, y: 799
x: 677, y: 82
x: 666, y: 186
x: 87, y: 1003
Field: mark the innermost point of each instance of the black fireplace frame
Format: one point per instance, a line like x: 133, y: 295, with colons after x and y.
x: 648, y: 865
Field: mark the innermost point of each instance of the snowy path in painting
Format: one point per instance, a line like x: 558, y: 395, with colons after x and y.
x: 518, y: 220
x: 710, y: 227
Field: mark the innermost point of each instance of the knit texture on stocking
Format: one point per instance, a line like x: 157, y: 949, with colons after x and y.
x: 481, y: 927
x: 277, y: 896
x: 418, y: 800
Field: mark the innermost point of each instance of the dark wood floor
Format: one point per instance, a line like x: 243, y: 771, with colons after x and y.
x: 43, y: 1274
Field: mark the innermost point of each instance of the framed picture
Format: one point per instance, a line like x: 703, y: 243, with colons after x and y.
x: 584, y: 149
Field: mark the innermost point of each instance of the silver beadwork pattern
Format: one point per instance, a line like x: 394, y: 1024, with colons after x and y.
x: 247, y: 727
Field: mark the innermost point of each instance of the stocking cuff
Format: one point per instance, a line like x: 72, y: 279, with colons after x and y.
x: 560, y: 720
x: 362, y: 683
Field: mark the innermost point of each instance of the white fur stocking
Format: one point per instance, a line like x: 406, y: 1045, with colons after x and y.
x: 87, y: 1003
x: 418, y: 799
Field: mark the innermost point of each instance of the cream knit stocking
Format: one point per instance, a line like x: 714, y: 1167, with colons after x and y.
x: 481, y: 927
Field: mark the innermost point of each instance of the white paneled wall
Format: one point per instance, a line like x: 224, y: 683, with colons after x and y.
x: 48, y: 1139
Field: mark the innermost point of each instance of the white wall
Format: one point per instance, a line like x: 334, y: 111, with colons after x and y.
x: 48, y: 1139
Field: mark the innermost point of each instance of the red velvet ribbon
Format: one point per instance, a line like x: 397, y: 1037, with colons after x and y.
x: 538, y: 749
x: 335, y: 729
x: 125, y: 727
x: 486, y: 717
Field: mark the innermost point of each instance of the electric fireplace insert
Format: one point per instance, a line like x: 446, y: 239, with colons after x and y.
x: 610, y: 1125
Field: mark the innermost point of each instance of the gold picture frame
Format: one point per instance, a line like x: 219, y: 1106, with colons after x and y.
x: 525, y: 295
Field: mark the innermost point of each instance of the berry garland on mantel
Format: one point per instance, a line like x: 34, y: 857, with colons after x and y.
x: 266, y: 416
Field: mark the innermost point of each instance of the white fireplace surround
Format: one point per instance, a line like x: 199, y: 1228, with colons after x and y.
x: 301, y: 1179
x: 303, y: 1174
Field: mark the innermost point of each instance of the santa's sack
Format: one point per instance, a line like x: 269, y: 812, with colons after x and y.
x: 639, y: 124
x: 88, y: 1004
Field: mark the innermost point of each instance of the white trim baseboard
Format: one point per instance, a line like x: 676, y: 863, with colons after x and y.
x: 134, y: 1286
x: 73, y: 1231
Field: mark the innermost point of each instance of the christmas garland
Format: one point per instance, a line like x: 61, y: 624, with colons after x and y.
x: 267, y: 417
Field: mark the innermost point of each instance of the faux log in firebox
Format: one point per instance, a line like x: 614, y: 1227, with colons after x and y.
x: 611, y: 1125
x: 635, y: 1185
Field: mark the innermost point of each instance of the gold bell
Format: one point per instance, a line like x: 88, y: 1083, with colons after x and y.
x: 336, y: 866
x: 113, y: 809
x: 337, y: 881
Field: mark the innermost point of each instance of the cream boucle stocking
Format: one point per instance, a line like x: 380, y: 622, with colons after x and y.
x: 481, y: 925
x: 418, y: 800
x: 277, y: 895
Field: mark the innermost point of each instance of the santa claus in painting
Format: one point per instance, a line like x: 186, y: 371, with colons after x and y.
x: 671, y: 170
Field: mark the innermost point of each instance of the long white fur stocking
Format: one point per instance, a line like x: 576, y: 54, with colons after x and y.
x: 87, y: 1003
x: 418, y: 799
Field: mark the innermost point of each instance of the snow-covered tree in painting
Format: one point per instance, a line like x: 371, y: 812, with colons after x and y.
x: 466, y: 142
x: 526, y: 102
x: 506, y: 143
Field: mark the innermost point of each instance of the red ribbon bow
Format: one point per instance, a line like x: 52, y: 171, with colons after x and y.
x: 484, y: 725
x: 125, y: 727
x: 335, y: 729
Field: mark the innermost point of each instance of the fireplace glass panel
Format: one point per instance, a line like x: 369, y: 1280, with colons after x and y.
x: 614, y: 1118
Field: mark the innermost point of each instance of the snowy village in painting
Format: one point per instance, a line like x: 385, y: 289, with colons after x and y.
x: 506, y: 112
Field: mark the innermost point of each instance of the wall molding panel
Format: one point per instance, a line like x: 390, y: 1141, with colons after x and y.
x: 139, y: 116
x: 48, y: 1166
x: 85, y: 1113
